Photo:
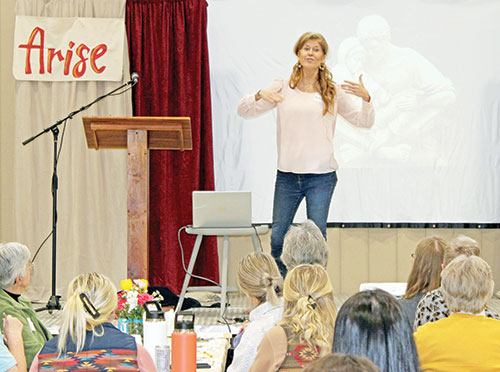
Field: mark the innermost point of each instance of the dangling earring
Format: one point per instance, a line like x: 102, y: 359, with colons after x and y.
x: 298, y: 65
x: 322, y: 66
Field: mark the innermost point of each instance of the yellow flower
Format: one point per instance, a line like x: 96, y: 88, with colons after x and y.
x: 126, y: 284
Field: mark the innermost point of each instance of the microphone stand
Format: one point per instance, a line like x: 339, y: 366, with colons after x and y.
x: 54, y: 303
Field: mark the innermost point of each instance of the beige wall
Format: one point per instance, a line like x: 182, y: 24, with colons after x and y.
x: 374, y: 255
x: 356, y: 255
x: 7, y: 88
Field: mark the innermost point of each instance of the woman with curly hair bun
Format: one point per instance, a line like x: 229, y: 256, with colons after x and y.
x: 259, y: 279
x: 306, y: 331
x: 308, y: 103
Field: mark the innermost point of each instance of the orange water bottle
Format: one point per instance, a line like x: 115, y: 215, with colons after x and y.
x: 184, y: 343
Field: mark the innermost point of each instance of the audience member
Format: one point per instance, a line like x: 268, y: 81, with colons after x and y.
x: 432, y: 306
x: 260, y: 280
x: 466, y: 340
x: 12, y: 359
x: 371, y: 324
x: 306, y: 331
x: 304, y: 244
x: 341, y: 363
x: 425, y: 274
x: 15, y: 276
x: 87, y: 340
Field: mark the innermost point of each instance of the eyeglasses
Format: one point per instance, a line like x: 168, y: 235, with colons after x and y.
x: 31, y: 266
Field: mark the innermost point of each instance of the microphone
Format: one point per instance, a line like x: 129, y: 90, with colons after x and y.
x: 134, y: 78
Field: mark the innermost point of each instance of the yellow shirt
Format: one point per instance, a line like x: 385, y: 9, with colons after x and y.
x: 459, y: 343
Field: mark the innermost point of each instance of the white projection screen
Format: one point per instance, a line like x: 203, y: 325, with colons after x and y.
x: 433, y: 70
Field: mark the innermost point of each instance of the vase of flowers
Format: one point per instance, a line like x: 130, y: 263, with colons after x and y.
x: 133, y: 295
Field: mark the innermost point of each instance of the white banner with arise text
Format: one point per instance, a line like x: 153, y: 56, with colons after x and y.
x: 68, y: 49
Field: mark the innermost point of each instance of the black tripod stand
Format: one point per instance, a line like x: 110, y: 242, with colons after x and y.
x: 54, y: 303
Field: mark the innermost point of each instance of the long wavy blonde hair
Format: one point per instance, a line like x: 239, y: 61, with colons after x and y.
x: 309, y: 309
x: 75, y: 320
x: 325, y: 79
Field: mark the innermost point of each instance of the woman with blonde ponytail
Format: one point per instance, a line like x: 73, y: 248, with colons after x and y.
x: 307, y: 103
x: 87, y: 340
x: 306, y: 331
x: 259, y: 279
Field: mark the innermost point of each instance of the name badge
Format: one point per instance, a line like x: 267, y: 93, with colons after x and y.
x: 32, y: 326
x: 317, y: 97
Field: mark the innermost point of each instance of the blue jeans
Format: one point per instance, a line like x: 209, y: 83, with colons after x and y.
x: 289, y: 190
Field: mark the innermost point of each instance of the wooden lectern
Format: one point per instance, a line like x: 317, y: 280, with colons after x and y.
x: 138, y: 135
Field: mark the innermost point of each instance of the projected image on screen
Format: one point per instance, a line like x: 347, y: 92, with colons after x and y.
x: 409, y: 94
x: 431, y: 68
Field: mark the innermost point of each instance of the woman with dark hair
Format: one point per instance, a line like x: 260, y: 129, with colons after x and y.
x: 371, y: 324
x: 308, y: 103
x: 425, y: 274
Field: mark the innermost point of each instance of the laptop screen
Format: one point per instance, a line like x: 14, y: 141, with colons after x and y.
x: 222, y: 209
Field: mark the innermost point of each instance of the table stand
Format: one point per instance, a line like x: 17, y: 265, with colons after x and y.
x: 217, y: 231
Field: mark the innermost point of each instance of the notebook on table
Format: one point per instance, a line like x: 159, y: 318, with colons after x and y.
x: 222, y: 209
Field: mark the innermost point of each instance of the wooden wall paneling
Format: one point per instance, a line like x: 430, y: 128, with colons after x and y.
x: 495, y: 264
x: 446, y: 234
x: 239, y: 247
x: 354, y: 260
x: 266, y: 241
x: 382, y: 255
x: 487, y: 247
x: 475, y: 234
x: 407, y: 240
x: 334, y: 259
x: 490, y: 251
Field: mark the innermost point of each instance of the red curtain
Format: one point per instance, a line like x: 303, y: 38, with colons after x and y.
x: 168, y: 49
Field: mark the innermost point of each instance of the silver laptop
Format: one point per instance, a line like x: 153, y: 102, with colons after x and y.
x: 222, y: 209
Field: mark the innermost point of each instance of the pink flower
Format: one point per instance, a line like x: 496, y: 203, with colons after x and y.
x: 144, y: 297
x: 121, y: 301
x: 132, y: 297
x: 141, y: 283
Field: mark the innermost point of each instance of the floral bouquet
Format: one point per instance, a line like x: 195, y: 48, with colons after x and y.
x: 130, y: 300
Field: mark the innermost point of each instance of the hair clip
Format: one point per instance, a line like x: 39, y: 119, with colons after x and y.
x: 89, y: 307
x: 312, y: 302
x: 268, y: 281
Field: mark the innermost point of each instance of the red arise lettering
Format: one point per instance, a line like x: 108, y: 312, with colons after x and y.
x: 83, y: 52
